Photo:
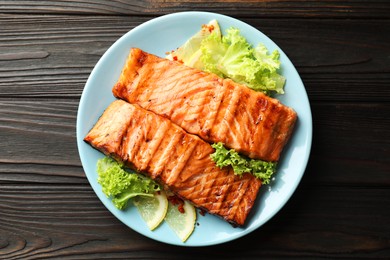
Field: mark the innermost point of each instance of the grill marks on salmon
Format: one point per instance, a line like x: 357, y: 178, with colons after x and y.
x: 160, y: 149
x: 215, y: 109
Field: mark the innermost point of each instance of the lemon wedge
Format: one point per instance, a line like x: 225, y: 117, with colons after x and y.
x: 190, y: 53
x: 152, y: 209
x: 182, y: 222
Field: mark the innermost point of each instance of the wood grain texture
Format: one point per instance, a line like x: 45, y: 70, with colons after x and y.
x: 47, y: 129
x: 39, y: 141
x: 333, y: 57
x: 37, y: 223
x: 241, y: 8
x: 340, y: 210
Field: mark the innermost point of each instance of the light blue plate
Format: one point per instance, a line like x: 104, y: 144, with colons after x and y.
x: 159, y: 36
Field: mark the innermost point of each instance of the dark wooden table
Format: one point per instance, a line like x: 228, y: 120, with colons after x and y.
x: 341, y: 209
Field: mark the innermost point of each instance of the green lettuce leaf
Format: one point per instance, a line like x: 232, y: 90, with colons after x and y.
x: 260, y: 169
x: 231, y: 56
x: 120, y: 184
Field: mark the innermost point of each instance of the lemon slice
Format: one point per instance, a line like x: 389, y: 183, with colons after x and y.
x: 152, y: 209
x: 190, y: 53
x: 182, y: 223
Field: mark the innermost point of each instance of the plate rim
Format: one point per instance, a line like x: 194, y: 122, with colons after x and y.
x: 177, y: 15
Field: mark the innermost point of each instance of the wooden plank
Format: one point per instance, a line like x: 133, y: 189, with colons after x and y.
x: 68, y: 222
x: 37, y: 64
x: 240, y: 8
x: 340, y: 154
x: 333, y: 57
x: 39, y: 141
x: 47, y: 129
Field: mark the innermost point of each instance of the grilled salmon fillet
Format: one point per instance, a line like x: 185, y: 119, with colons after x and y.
x: 215, y: 109
x: 160, y: 149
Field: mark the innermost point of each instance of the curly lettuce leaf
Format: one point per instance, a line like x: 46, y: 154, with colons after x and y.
x: 260, y: 169
x: 121, y: 185
x: 232, y: 56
